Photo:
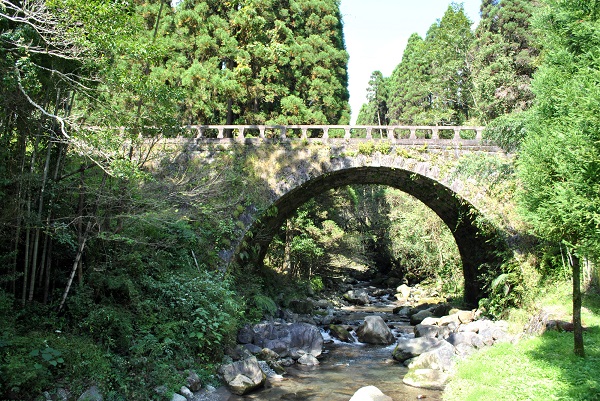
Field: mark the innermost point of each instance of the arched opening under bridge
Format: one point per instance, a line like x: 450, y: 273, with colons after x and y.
x: 477, y: 242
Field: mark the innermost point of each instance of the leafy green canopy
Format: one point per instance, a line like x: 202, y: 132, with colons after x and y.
x: 375, y: 111
x: 560, y: 158
x: 504, y: 57
x: 255, y: 61
x: 432, y: 84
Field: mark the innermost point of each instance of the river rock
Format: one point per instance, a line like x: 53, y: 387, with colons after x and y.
x: 341, y: 333
x: 464, y: 350
x: 374, y: 331
x: 243, y: 376
x: 91, y: 394
x: 403, y: 291
x: 253, y: 349
x: 303, y: 306
x: 62, y: 394
x: 426, y: 330
x: 475, y: 326
x: 268, y: 355
x: 486, y: 336
x: 369, y: 393
x: 441, y: 309
x: 308, y: 360
x: 410, y: 347
x: 461, y: 338
x: 186, y: 392
x: 420, y: 316
x: 357, y: 297
x: 449, y: 319
x: 465, y: 316
x: 441, y: 358
x: 431, y: 379
x: 294, y: 339
x: 431, y: 321
x: 193, y: 381
x: 245, y: 335
x: 178, y: 397
x: 402, y: 310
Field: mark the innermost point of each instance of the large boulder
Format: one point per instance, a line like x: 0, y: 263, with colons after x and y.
x: 441, y: 357
x: 369, y: 393
x: 426, y: 330
x: 374, y: 331
x: 245, y: 335
x: 410, y: 347
x: 465, y: 338
x: 303, y: 306
x: 243, y: 376
x: 357, y: 297
x: 295, y: 339
x: 431, y: 379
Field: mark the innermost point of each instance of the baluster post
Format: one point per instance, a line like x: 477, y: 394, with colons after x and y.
x: 390, y: 134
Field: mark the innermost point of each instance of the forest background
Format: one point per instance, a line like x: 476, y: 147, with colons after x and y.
x: 111, y: 275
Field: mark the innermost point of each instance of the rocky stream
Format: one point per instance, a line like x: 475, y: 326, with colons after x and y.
x: 374, y: 344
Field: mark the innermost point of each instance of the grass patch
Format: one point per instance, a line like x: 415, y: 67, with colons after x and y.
x: 537, y: 368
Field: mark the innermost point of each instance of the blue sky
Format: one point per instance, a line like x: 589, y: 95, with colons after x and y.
x: 376, y: 32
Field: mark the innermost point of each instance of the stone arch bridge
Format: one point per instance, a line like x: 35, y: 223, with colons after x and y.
x: 299, y: 162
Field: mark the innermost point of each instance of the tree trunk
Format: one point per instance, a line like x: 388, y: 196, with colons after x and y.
x: 577, y: 329
x: 48, y: 273
x: 80, y: 250
x: 80, y: 222
x: 19, y: 214
x: 36, y: 240
x: 81, y: 246
x: 287, y: 259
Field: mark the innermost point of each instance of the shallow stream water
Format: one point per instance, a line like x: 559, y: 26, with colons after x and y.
x: 344, y: 368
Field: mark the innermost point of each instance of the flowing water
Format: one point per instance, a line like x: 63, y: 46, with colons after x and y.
x: 344, y: 368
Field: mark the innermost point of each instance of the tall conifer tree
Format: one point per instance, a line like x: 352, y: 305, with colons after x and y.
x: 504, y: 57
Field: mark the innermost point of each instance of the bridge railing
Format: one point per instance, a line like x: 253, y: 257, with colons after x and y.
x: 391, y: 132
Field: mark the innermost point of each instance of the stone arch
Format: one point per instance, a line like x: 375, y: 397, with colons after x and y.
x: 477, y: 242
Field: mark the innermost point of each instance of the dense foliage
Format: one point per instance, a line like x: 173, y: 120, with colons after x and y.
x: 456, y: 76
x: 109, y: 261
x: 559, y: 160
x: 109, y: 273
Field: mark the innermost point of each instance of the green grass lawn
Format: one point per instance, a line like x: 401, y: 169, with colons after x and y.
x: 536, y: 368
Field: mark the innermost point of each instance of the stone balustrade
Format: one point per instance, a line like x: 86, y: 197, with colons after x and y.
x: 391, y: 132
